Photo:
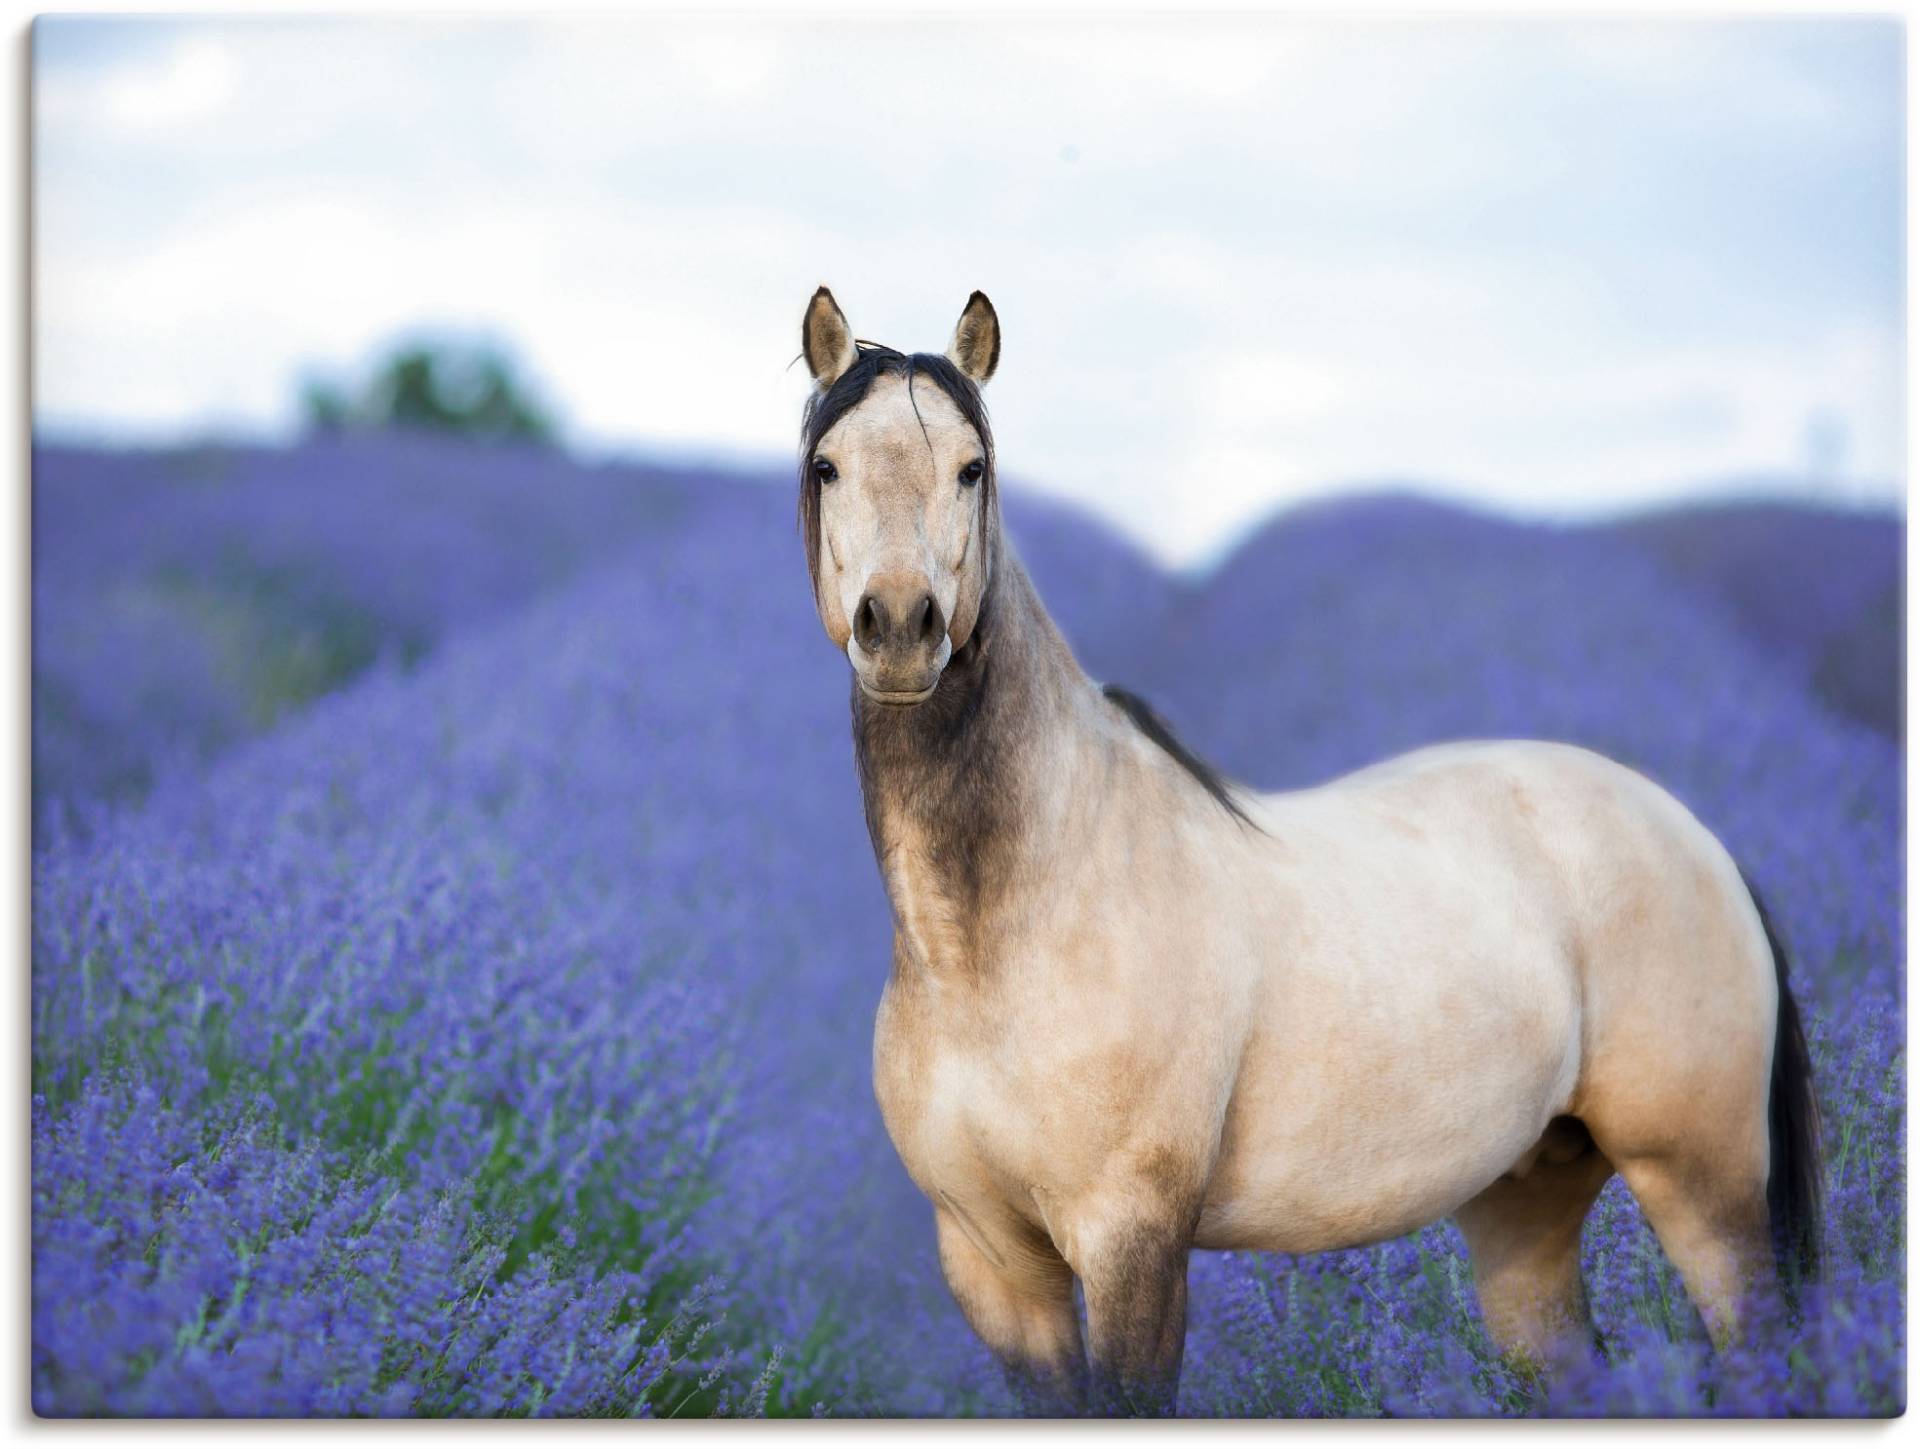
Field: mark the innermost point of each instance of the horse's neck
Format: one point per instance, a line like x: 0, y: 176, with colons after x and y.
x: 964, y: 792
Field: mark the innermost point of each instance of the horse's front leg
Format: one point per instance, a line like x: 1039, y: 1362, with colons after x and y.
x: 1023, y: 1311
x: 1135, y: 1279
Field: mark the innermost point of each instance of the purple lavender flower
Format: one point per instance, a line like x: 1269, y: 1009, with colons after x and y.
x: 456, y: 939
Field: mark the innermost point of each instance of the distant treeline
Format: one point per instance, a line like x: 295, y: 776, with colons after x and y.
x: 472, y: 390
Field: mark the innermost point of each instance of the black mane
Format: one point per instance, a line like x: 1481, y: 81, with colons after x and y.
x: 1156, y: 729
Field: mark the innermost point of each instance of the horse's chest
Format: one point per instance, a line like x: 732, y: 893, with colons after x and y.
x: 960, y: 1125
x: 940, y: 1048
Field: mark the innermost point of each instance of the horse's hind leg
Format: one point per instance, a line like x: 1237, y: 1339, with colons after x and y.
x: 1523, y: 1233
x: 1695, y: 1155
x: 1709, y: 1211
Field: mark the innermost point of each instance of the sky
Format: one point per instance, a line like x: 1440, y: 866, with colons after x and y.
x: 1554, y: 267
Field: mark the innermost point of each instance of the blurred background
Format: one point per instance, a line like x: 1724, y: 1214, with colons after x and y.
x: 1552, y: 266
x: 361, y: 282
x: 456, y: 936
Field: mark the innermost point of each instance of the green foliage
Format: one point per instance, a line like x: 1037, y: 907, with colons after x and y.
x: 468, y: 389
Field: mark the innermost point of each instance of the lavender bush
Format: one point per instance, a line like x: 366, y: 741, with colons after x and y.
x: 1821, y: 590
x: 187, y: 600
x: 482, y: 1028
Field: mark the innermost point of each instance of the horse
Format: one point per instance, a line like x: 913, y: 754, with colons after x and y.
x: 1137, y: 1009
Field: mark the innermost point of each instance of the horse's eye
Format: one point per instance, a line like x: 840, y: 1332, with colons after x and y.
x: 824, y: 471
x: 973, y: 472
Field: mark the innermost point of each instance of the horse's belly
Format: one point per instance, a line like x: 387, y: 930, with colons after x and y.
x: 1372, y: 1168
x: 1379, y: 1113
x: 1310, y: 1203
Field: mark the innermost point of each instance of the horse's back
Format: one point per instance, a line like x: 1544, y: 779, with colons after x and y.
x: 1596, y: 844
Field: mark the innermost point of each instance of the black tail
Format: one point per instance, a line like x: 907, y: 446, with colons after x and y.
x: 1793, y: 1129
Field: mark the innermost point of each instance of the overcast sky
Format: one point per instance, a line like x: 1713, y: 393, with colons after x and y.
x: 1554, y: 266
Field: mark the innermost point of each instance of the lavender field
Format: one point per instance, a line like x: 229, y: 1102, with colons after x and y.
x: 455, y: 937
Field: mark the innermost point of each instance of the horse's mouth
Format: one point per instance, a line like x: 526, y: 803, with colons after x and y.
x: 904, y: 678
x: 898, y: 698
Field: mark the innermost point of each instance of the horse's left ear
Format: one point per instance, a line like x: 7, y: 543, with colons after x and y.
x: 826, y: 341
x: 975, y: 348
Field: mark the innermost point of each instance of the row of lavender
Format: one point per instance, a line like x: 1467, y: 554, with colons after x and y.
x: 189, y: 599
x: 491, y: 1036
x: 186, y: 600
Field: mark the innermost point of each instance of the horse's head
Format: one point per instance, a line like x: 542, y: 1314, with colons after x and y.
x: 897, y: 496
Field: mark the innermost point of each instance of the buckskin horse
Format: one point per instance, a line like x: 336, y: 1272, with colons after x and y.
x: 1136, y: 1009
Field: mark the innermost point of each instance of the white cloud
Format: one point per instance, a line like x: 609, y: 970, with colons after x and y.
x: 195, y: 82
x: 1235, y: 264
x: 189, y: 80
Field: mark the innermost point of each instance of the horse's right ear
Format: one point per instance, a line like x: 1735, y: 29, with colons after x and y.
x: 975, y: 348
x: 826, y: 341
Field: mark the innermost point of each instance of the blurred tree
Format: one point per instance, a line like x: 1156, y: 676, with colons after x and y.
x: 448, y: 387
x: 324, y: 406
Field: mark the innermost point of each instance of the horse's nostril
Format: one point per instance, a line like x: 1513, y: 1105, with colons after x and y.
x: 923, y: 618
x: 870, y: 624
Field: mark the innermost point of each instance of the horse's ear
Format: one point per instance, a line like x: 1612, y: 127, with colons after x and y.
x: 826, y: 340
x: 975, y: 348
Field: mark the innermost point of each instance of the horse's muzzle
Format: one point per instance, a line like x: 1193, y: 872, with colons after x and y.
x: 899, y: 643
